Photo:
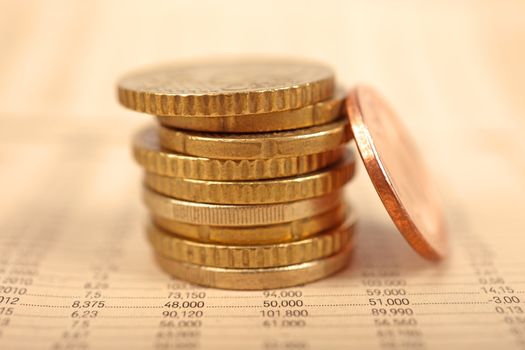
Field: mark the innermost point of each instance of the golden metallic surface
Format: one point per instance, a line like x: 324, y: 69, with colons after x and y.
x: 226, y: 87
x: 237, y: 215
x: 398, y: 172
x: 293, y: 143
x: 317, y: 114
x: 150, y: 155
x: 257, y: 279
x: 268, y: 191
x: 255, y: 235
x: 253, y: 256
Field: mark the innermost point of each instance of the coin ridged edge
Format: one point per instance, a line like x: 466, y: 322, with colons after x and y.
x: 256, y: 235
x: 317, y: 114
x: 257, y: 279
x: 275, y: 255
x: 272, y: 100
x: 238, y: 215
x: 315, y: 139
x: 256, y: 192
x: 171, y: 164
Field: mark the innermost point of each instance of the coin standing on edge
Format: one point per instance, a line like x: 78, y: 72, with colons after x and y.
x: 398, y: 172
x: 226, y: 87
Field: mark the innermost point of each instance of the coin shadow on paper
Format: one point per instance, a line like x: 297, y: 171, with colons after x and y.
x: 378, y: 244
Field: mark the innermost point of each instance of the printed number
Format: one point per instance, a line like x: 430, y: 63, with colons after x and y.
x: 84, y: 314
x: 185, y: 304
x: 386, y: 292
x: 392, y: 312
x: 88, y: 304
x: 508, y: 299
x: 282, y: 293
x: 389, y: 301
x: 283, y: 303
x: 12, y: 290
x: 9, y: 300
x: 6, y: 311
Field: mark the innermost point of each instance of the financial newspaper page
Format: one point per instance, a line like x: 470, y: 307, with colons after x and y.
x: 77, y: 271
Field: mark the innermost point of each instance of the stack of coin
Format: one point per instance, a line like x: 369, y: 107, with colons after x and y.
x: 245, y: 170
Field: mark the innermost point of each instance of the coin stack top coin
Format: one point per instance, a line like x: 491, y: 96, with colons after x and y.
x: 226, y: 87
x: 244, y: 173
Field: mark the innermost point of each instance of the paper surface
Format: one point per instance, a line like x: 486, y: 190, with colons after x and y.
x: 76, y: 270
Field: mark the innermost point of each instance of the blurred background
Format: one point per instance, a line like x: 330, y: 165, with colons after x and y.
x: 70, y: 208
x: 453, y: 69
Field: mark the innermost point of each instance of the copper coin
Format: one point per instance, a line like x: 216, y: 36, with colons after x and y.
x: 398, y: 172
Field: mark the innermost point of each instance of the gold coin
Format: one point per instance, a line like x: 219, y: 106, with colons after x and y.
x: 317, y: 114
x: 154, y: 159
x: 253, y: 235
x: 256, y: 192
x: 252, y: 256
x: 238, y: 215
x: 226, y: 87
x: 257, y: 279
x: 293, y: 143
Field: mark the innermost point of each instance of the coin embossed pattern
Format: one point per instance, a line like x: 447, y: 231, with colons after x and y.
x: 255, y: 279
x: 254, y: 256
x: 256, y: 192
x: 258, y: 146
x: 245, y: 170
x: 226, y: 87
x: 149, y: 154
x: 238, y: 215
x: 317, y: 114
x: 266, y: 234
